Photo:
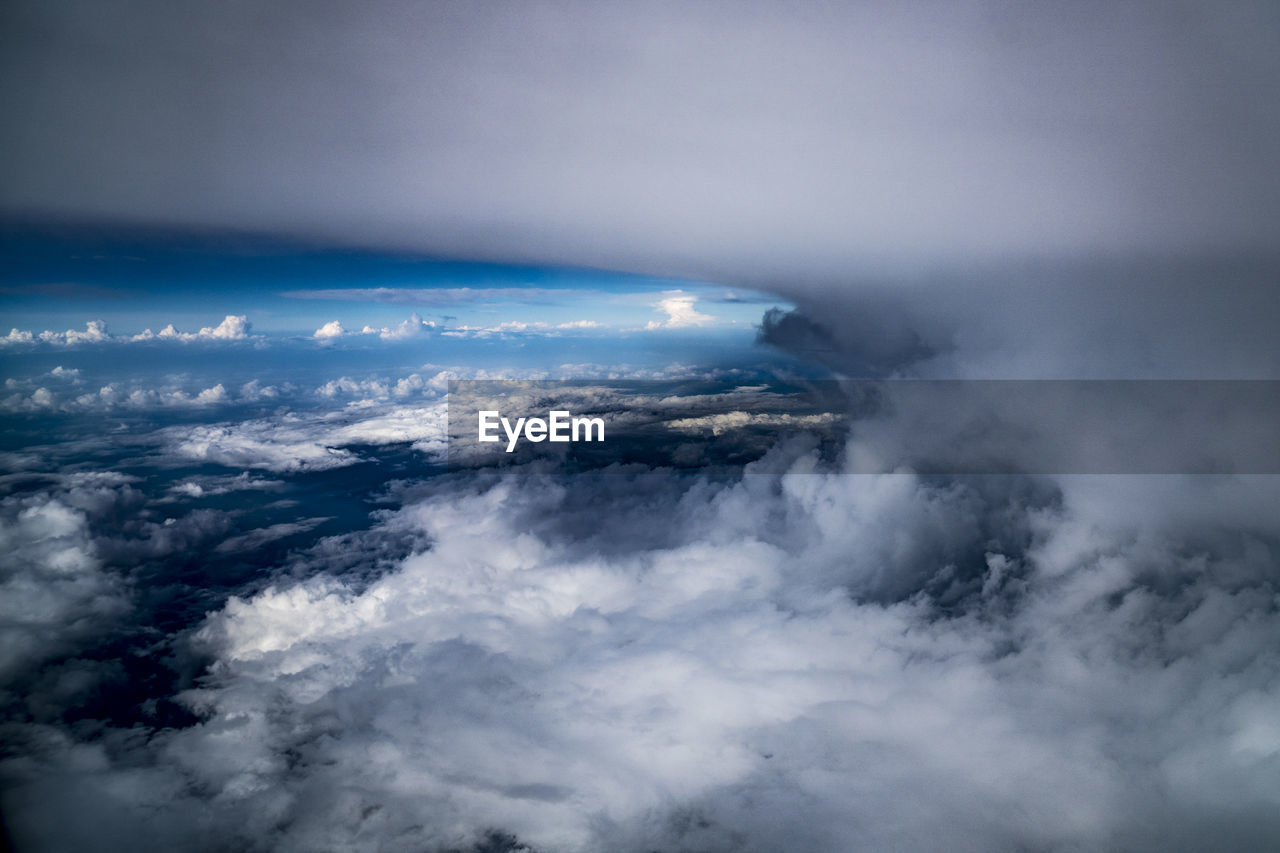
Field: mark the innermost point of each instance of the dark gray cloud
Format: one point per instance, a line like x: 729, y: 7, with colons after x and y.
x: 882, y: 168
x: 726, y: 140
x: 1180, y: 317
x: 875, y: 341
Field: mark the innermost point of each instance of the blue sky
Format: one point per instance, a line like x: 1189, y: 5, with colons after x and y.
x: 132, y: 280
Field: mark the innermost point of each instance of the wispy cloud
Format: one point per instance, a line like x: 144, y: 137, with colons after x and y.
x: 524, y: 327
x: 443, y: 297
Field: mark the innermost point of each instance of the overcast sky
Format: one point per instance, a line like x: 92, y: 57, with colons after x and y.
x: 724, y: 140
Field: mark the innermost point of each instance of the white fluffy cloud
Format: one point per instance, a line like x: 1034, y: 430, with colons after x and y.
x: 661, y: 694
x: 308, y: 441
x: 235, y: 327
x: 796, y: 660
x: 54, y: 590
x: 117, y: 396
x: 678, y: 306
x: 330, y: 330
x: 414, y: 327
x: 17, y: 336
x: 95, y: 331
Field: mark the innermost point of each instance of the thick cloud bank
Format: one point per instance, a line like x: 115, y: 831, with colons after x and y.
x: 712, y: 139
x: 793, y: 659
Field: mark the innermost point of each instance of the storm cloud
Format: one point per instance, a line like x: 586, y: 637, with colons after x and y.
x: 723, y: 140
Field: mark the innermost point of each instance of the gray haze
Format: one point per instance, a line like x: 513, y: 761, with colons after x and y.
x: 766, y: 142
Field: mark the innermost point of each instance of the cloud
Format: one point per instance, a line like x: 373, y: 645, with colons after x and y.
x: 726, y: 422
x: 442, y: 297
x: 255, y: 539
x: 308, y: 441
x: 255, y: 391
x: 1113, y: 318
x: 532, y: 327
x: 95, y: 331
x: 55, y: 592
x: 213, y: 486
x: 796, y: 658
x: 873, y: 341
x: 17, y: 336
x: 115, y: 396
x: 235, y: 327
x: 210, y: 396
x: 330, y: 330
x: 678, y: 306
x: 377, y: 388
x: 258, y: 444
x: 774, y: 143
x: 413, y: 328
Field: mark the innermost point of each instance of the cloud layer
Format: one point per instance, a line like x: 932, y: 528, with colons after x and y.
x: 794, y: 659
x: 715, y: 140
x: 235, y: 327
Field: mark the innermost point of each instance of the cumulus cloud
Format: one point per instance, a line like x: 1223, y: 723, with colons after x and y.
x: 210, y: 396
x: 95, y: 331
x: 17, y: 336
x: 330, y: 330
x: 794, y: 659
x: 375, y: 388
x: 678, y: 306
x: 234, y: 327
x: 54, y: 590
x: 255, y: 391
x: 413, y: 328
x: 114, y: 396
